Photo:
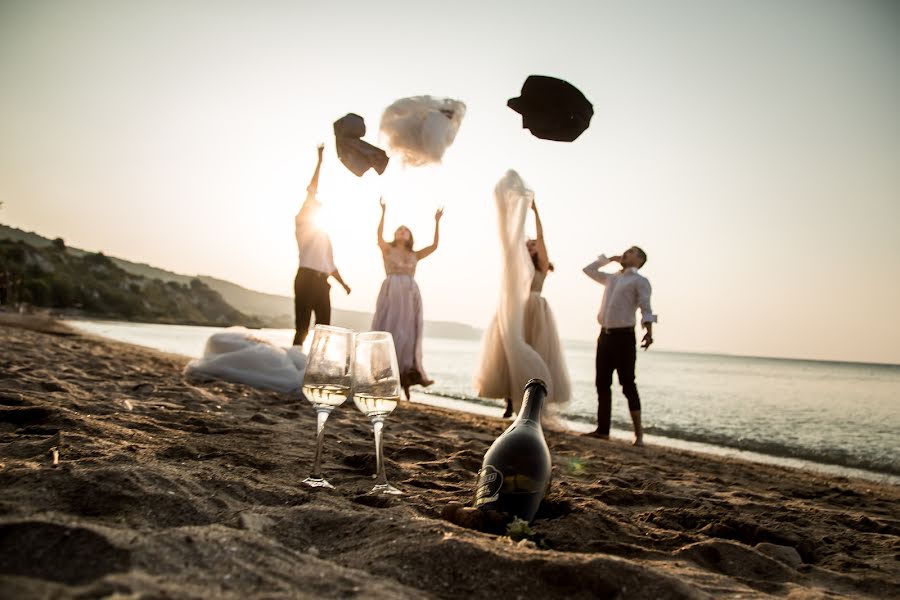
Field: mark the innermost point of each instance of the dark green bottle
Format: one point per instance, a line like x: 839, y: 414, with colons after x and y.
x: 515, y: 472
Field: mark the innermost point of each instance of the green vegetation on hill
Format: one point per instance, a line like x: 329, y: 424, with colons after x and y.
x: 55, y: 277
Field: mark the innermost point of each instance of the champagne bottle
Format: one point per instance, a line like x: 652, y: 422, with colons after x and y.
x: 515, y: 472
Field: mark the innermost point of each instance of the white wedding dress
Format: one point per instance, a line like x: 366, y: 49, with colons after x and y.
x: 521, y: 341
x: 238, y: 356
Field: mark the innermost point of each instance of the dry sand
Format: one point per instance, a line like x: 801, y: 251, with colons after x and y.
x: 170, y: 489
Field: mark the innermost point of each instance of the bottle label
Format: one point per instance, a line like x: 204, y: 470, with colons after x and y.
x: 487, y: 490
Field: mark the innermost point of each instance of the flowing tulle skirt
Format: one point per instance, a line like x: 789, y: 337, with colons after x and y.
x: 237, y: 355
x: 494, y: 380
x: 399, y: 311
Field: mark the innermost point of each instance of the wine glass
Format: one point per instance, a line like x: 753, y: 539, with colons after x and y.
x: 376, y: 391
x: 327, y: 383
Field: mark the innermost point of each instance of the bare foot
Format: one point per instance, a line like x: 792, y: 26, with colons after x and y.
x: 596, y: 434
x: 509, y: 411
x: 637, y: 441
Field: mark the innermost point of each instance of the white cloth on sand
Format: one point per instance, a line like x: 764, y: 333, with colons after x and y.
x: 238, y: 356
x: 419, y: 129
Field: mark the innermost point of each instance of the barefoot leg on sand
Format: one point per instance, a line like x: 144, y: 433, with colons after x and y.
x: 638, y: 430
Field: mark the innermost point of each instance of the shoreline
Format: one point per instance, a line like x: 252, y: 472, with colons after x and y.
x: 167, y: 487
x: 696, y: 446
x: 486, y: 407
x: 62, y: 315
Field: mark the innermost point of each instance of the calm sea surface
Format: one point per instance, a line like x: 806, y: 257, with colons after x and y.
x: 839, y: 418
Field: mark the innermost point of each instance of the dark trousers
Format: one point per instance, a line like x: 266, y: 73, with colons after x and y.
x: 616, y: 351
x: 312, y: 294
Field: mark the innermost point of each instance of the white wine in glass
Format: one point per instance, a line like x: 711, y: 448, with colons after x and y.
x: 327, y: 383
x: 375, y: 406
x: 325, y: 394
x: 376, y: 391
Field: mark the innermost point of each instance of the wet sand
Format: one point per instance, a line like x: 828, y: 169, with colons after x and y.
x: 119, y: 478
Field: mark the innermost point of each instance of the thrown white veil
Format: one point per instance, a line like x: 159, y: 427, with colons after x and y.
x: 419, y: 130
x: 504, y: 374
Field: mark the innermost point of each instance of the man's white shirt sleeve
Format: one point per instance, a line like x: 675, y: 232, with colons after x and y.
x: 593, y: 270
x: 644, y: 290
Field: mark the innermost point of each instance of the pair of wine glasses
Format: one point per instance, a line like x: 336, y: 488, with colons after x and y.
x: 341, y: 364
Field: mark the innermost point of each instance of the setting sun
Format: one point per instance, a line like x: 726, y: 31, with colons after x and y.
x: 350, y: 210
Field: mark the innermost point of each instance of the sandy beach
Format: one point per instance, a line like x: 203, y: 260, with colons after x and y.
x: 119, y: 478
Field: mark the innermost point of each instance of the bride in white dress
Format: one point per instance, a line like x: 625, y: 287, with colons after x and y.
x: 521, y: 341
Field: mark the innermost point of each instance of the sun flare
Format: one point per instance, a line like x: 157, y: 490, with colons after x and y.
x: 350, y: 211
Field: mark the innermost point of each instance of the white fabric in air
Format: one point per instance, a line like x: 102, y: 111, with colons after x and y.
x: 419, y: 130
x: 504, y: 374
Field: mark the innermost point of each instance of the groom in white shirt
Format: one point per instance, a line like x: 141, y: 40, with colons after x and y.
x: 625, y: 292
x: 312, y: 292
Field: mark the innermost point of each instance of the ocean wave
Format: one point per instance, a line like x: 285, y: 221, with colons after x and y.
x: 492, y: 402
x: 839, y: 457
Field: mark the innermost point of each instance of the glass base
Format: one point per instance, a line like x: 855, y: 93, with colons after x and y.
x: 386, y: 488
x: 317, y: 483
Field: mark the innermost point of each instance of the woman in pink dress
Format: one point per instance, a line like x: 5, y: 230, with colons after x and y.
x: 399, y: 306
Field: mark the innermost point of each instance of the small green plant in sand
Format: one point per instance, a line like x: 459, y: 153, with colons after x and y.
x: 519, y: 530
x: 520, y: 534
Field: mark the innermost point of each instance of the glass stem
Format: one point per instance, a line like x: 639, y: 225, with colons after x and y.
x: 322, y: 414
x: 378, y: 425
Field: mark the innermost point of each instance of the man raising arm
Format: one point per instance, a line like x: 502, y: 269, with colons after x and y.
x: 316, y: 263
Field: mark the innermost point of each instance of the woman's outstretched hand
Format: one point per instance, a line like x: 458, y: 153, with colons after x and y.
x: 382, y: 203
x: 320, y: 149
x: 438, y: 214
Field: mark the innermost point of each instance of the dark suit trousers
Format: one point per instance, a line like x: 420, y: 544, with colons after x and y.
x: 616, y: 351
x: 312, y: 294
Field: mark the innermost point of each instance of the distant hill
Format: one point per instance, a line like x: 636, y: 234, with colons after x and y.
x: 271, y: 310
x: 93, y: 285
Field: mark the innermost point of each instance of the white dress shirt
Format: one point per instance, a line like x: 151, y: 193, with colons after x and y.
x: 625, y: 292
x: 313, y: 245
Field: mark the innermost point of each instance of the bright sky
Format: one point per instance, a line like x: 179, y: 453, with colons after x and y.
x: 752, y: 148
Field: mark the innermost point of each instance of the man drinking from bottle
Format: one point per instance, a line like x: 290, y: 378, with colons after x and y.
x: 625, y: 292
